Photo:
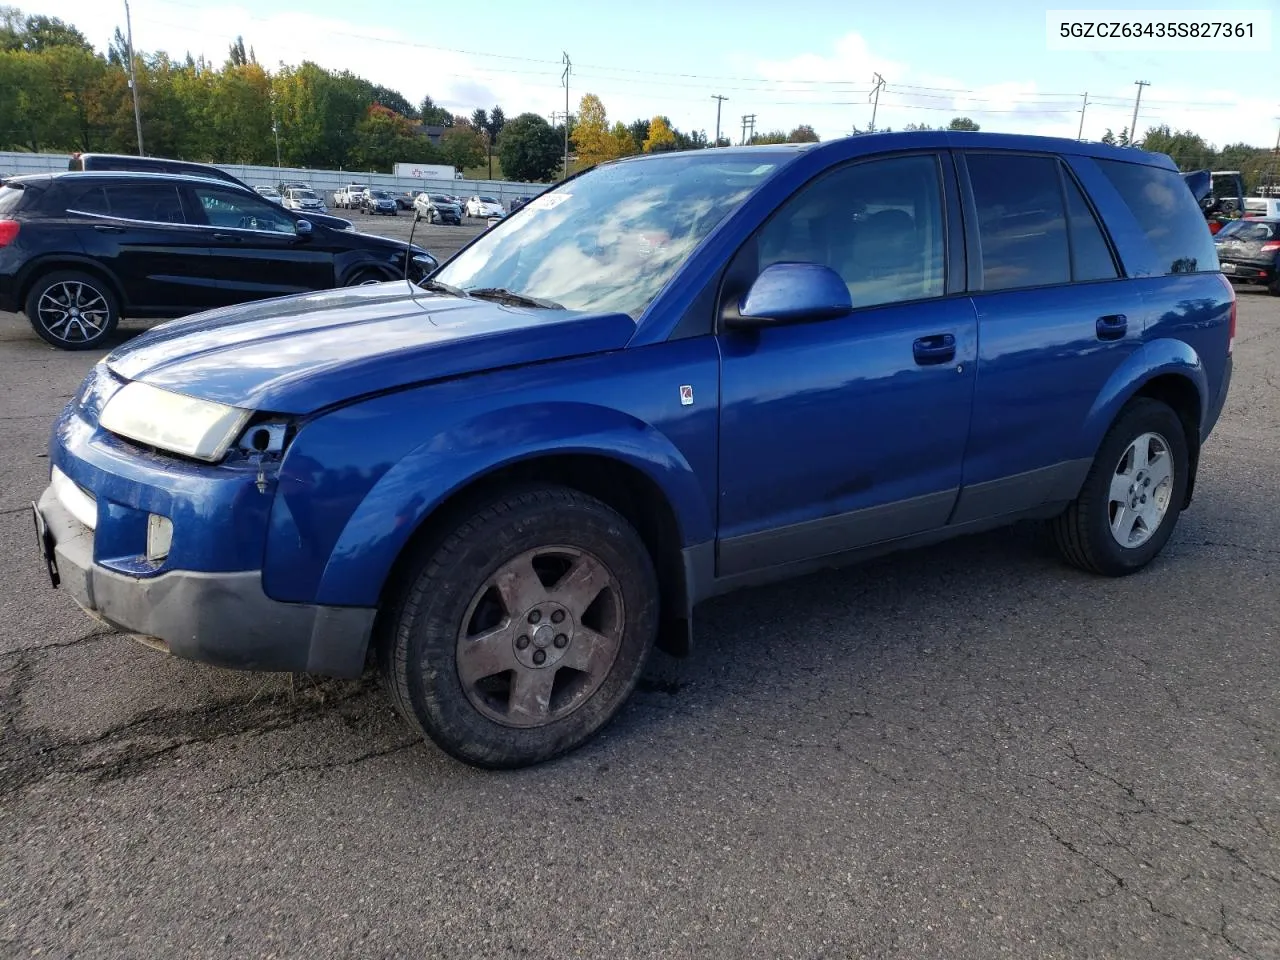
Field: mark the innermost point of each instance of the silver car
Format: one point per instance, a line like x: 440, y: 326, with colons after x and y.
x: 304, y: 200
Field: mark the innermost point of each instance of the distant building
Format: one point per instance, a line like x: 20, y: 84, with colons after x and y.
x: 431, y: 132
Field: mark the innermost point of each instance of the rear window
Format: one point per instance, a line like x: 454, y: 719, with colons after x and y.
x: 10, y: 199
x: 1167, y: 213
x: 1246, y: 231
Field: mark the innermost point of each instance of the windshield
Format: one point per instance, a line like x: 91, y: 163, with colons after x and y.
x: 380, y: 194
x: 439, y: 199
x: 610, y: 239
x: 304, y: 195
x: 488, y: 200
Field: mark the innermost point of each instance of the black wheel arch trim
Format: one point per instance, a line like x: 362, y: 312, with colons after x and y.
x: 49, y: 262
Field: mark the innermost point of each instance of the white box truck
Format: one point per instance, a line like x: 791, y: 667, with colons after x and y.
x: 426, y: 171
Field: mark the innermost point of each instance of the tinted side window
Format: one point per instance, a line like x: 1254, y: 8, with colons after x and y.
x: 878, y: 224
x: 1022, y: 227
x: 1167, y: 213
x: 153, y: 202
x: 1090, y: 256
x: 229, y: 208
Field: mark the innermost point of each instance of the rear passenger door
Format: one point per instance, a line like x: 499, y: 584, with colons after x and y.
x: 140, y: 232
x: 1055, y: 320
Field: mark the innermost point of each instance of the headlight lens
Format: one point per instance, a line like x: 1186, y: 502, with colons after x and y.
x: 174, y: 422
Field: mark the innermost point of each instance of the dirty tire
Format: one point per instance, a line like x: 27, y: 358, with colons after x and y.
x: 421, y: 644
x: 1083, y: 532
x: 51, y: 298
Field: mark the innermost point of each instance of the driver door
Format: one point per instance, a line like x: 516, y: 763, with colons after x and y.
x: 255, y: 249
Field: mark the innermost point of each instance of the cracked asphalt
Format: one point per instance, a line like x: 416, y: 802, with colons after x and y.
x: 966, y: 752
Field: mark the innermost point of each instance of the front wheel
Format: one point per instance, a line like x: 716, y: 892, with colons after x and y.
x: 72, y: 310
x: 1132, y: 496
x: 521, y: 631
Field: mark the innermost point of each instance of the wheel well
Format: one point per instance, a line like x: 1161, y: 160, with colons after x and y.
x: 622, y: 487
x: 1181, y: 395
x: 51, y: 266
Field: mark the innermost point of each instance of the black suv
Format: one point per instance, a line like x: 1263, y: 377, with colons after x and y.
x: 79, y: 250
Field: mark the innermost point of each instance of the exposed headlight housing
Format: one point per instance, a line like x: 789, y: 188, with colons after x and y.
x: 174, y: 422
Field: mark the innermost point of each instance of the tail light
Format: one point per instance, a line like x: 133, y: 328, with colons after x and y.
x: 1271, y: 246
x: 8, y: 230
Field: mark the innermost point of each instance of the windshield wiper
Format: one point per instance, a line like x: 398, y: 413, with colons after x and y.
x: 503, y: 295
x: 440, y: 287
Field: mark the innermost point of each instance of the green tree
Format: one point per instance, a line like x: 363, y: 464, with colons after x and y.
x: 394, y: 100
x: 529, y: 149
x: 963, y: 123
x: 39, y: 33
x: 639, y: 134
x: 462, y: 147
x: 773, y: 136
x: 1109, y: 138
x: 433, y: 116
x: 803, y: 134
x: 384, y: 138
x: 624, y: 145
x: 917, y: 126
x: 660, y: 136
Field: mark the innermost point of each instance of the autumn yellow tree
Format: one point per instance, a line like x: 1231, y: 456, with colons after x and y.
x: 624, y: 144
x: 591, y: 133
x: 660, y: 136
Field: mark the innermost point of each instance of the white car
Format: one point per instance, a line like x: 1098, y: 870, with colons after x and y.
x: 484, y: 207
x: 269, y: 193
x: 304, y: 200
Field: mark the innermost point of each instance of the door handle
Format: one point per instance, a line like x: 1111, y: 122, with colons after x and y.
x: 940, y: 348
x: 226, y: 236
x: 108, y: 228
x: 1112, y: 327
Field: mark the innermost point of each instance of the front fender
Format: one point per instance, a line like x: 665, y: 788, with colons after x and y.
x: 414, y: 488
x: 1154, y: 359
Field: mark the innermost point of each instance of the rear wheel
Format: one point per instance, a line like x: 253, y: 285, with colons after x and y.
x: 521, y: 631
x: 1273, y: 287
x: 72, y: 310
x: 1132, y: 496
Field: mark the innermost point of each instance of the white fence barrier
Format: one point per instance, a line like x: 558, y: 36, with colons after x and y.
x: 324, y: 182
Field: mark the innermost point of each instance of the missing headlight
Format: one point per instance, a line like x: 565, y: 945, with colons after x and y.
x: 264, y: 438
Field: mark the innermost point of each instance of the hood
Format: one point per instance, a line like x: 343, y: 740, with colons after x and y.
x: 300, y: 354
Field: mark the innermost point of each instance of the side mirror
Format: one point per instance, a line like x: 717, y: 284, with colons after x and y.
x: 792, y: 293
x: 425, y: 264
x: 304, y: 228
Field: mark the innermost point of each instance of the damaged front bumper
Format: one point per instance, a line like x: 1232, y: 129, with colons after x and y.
x: 203, y: 599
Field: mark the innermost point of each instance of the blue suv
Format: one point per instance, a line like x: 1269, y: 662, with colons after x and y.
x: 667, y: 378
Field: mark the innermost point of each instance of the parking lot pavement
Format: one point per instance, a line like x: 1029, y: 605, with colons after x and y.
x: 967, y: 752
x: 441, y: 241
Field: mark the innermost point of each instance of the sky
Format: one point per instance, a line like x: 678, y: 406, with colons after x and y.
x: 800, y: 62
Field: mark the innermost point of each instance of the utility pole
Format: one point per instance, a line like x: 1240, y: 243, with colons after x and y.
x: 874, y: 96
x: 719, y: 102
x: 133, y: 80
x: 567, y: 67
x: 1133, y: 126
x: 748, y: 124
x: 1083, y: 105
